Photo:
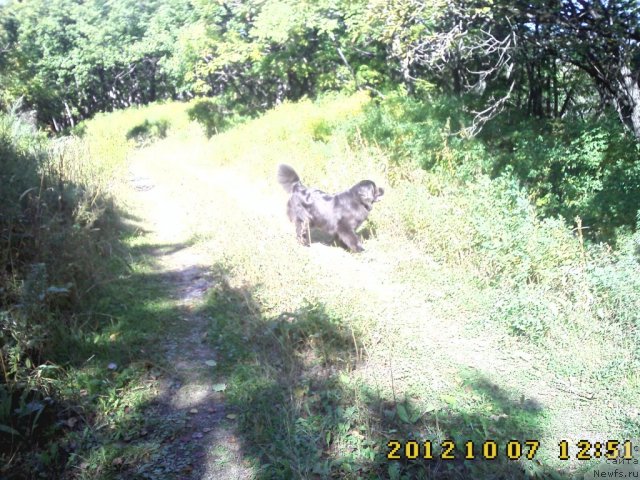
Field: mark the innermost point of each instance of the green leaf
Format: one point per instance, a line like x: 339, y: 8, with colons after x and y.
x: 402, y: 413
x: 7, y: 429
x: 394, y: 471
x: 415, y: 416
x: 450, y: 399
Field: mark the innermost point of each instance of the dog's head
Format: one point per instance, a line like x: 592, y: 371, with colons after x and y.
x: 368, y: 192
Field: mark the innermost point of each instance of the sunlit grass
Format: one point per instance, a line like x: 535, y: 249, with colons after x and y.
x: 456, y: 274
x: 467, y: 317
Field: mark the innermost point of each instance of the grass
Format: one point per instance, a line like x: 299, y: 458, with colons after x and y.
x: 469, y: 317
x: 475, y: 328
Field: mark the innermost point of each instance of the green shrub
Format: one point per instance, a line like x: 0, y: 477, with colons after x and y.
x: 573, y: 168
x: 321, y: 130
x: 420, y: 132
x: 568, y: 167
x: 613, y: 277
x: 216, y: 114
x: 148, y: 131
x: 527, y: 312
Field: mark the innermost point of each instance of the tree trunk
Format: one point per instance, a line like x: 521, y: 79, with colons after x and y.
x: 628, y: 100
x: 69, y: 115
x: 457, y: 80
x: 555, y: 88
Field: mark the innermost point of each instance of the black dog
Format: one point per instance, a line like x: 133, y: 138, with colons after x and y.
x: 337, y: 215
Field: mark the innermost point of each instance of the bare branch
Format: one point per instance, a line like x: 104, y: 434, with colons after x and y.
x: 482, y: 117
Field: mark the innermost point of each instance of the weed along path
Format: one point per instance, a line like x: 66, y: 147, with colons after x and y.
x: 292, y: 362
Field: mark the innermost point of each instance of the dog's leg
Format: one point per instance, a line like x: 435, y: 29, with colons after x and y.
x: 350, y: 239
x: 303, y: 233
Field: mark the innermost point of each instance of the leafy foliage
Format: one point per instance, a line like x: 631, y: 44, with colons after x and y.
x: 571, y: 167
x: 148, y: 131
x: 491, y: 54
x: 77, y: 58
x: 216, y: 115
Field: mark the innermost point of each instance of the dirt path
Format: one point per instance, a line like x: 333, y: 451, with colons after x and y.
x: 207, y: 447
x: 183, y: 201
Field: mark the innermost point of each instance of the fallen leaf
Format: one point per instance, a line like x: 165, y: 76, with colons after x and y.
x: 232, y: 416
x: 211, y: 363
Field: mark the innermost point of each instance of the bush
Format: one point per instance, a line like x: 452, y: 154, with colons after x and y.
x: 148, y: 131
x: 420, y: 132
x: 527, y: 312
x: 570, y: 168
x: 216, y: 115
x: 573, y: 168
x: 613, y: 277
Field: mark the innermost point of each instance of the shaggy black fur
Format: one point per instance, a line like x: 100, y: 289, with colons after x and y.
x: 337, y: 215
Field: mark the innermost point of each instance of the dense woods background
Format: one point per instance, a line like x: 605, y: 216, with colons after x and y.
x: 510, y: 132
x: 552, y: 59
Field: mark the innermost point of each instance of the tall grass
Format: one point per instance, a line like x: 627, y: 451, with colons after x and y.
x: 470, y: 239
x: 70, y: 303
x: 58, y: 235
x: 479, y: 206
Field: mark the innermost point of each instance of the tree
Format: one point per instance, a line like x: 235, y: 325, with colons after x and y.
x: 70, y: 58
x: 464, y: 47
x: 601, y: 38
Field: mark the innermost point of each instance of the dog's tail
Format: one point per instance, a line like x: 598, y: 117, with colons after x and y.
x: 287, y: 177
